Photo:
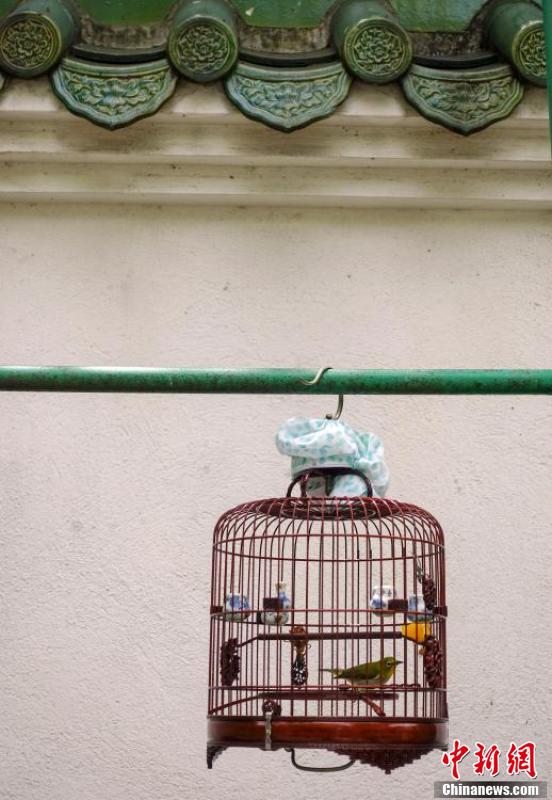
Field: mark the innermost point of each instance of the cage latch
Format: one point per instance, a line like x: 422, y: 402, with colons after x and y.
x: 268, y: 729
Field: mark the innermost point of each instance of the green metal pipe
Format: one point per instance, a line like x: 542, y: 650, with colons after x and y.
x: 547, y: 11
x: 274, y: 381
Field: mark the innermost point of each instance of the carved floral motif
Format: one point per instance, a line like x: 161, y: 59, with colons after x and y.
x: 531, y: 55
x: 29, y: 44
x: 464, y: 101
x: 203, y: 50
x: 288, y: 99
x: 378, y: 53
x: 113, y: 96
x: 201, y: 39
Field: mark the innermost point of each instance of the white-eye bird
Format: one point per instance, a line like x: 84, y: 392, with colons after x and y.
x: 374, y: 673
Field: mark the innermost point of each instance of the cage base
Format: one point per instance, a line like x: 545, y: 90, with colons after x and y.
x: 385, y: 744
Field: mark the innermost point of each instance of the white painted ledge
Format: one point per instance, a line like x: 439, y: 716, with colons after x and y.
x: 376, y: 151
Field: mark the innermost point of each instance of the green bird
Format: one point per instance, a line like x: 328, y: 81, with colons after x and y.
x: 372, y: 674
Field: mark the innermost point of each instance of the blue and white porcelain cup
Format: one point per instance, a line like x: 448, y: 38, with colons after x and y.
x: 237, y: 607
x: 280, y: 614
x: 417, y: 608
x: 381, y: 595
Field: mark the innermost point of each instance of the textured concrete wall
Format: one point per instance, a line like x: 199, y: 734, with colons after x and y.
x: 108, y: 502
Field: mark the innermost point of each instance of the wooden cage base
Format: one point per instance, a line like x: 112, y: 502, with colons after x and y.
x: 385, y: 744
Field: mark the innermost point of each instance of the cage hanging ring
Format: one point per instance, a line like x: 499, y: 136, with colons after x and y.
x: 302, y: 478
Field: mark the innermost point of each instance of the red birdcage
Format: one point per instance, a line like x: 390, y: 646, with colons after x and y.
x: 328, y: 628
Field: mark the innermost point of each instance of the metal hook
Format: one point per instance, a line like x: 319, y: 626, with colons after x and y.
x: 339, y: 409
x: 316, y: 380
x: 317, y: 377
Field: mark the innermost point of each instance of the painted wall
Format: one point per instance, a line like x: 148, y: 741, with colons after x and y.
x: 108, y: 502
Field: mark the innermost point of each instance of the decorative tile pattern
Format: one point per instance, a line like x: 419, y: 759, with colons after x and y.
x: 464, y: 101
x: 35, y: 35
x: 113, y: 96
x: 531, y: 54
x: 117, y: 72
x: 29, y: 44
x: 288, y: 99
x: 203, y: 51
x: 379, y: 53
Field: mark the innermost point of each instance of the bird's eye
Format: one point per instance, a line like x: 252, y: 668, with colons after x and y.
x: 389, y: 664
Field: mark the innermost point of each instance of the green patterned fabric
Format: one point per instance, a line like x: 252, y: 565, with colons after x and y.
x: 313, y: 443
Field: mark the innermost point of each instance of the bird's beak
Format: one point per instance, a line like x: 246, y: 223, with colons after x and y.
x: 398, y: 662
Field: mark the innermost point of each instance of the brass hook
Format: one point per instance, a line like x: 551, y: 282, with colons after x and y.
x: 316, y: 380
x: 339, y: 409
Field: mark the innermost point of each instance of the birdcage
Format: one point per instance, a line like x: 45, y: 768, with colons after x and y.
x: 328, y: 627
